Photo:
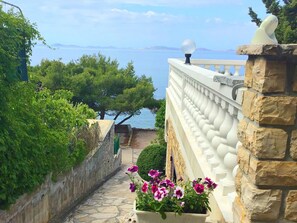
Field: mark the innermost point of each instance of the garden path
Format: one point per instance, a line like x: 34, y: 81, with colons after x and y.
x: 113, y: 202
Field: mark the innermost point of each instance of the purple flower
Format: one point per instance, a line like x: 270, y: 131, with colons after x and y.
x: 182, y: 204
x: 154, y: 173
x: 194, y: 183
x: 160, y: 194
x: 133, y: 169
x: 199, y: 188
x: 209, y: 183
x: 178, y: 192
x: 167, y: 183
x: 144, y: 187
x: 132, y: 187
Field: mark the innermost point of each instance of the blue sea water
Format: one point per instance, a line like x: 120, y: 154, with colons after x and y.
x: 150, y: 62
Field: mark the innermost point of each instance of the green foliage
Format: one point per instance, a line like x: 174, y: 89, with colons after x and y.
x: 39, y: 130
x: 17, y: 34
x: 152, y: 157
x: 160, y: 123
x: 37, y: 136
x: 99, y: 82
x: 160, y: 115
x: 286, y: 13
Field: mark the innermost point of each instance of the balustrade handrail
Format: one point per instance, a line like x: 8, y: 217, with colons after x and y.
x: 205, y: 77
x: 218, y: 62
x: 227, y: 67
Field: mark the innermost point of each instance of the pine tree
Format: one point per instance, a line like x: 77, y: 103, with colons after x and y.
x: 286, y: 13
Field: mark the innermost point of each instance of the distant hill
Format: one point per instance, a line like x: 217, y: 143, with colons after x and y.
x: 161, y: 48
x: 59, y: 45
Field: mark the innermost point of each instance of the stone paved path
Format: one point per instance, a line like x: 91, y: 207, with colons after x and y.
x: 110, y: 203
x: 113, y: 201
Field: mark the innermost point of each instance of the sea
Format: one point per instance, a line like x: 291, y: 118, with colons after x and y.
x: 152, y: 62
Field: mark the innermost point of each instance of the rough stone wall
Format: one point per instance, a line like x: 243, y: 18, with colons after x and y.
x: 266, y: 181
x: 174, y: 156
x: 53, y: 199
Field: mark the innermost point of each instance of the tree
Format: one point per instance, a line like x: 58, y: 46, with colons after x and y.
x: 286, y: 13
x: 17, y: 35
x: 99, y: 82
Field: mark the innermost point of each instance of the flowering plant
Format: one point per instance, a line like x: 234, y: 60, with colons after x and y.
x: 162, y: 195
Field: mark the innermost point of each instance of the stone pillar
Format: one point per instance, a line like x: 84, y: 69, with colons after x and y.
x: 266, y: 181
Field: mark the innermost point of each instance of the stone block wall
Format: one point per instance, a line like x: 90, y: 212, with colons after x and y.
x: 53, y: 199
x: 266, y: 181
x: 174, y: 158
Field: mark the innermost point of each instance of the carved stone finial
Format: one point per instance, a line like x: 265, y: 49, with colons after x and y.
x: 265, y: 33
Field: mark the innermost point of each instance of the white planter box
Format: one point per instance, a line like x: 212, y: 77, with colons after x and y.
x: 155, y: 217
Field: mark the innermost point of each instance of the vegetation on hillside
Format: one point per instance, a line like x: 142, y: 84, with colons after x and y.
x: 286, y: 13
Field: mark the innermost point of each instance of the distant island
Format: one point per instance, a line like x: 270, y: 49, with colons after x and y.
x: 71, y: 46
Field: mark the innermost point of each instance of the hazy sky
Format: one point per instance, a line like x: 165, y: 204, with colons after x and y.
x: 214, y: 24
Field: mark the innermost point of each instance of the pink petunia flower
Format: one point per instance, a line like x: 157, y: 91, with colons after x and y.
x: 199, y: 188
x: 178, y: 192
x: 133, y: 169
x: 167, y: 183
x: 160, y: 194
x: 209, y: 183
x: 144, y: 187
x: 154, y: 173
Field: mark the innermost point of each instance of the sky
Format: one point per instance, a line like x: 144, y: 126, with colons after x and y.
x: 213, y: 24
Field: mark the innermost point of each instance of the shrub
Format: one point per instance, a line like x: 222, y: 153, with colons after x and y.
x: 152, y: 157
x: 38, y: 135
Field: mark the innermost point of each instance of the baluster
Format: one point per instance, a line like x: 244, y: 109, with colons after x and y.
x: 224, y: 128
x: 229, y: 153
x: 232, y: 139
x: 217, y: 68
x: 203, y: 102
x: 183, y: 88
x: 198, y: 99
x: 208, y: 103
x: 210, y: 113
x: 205, y: 125
x: 227, y: 70
x: 237, y: 68
x: 217, y: 122
x: 208, y: 151
x: 219, y: 143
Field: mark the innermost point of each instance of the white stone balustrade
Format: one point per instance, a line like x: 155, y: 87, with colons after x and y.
x: 205, y: 119
x: 226, y: 67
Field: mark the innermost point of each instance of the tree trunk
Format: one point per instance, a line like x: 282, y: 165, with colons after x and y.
x: 125, y: 119
x: 102, y: 114
x: 115, y: 118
